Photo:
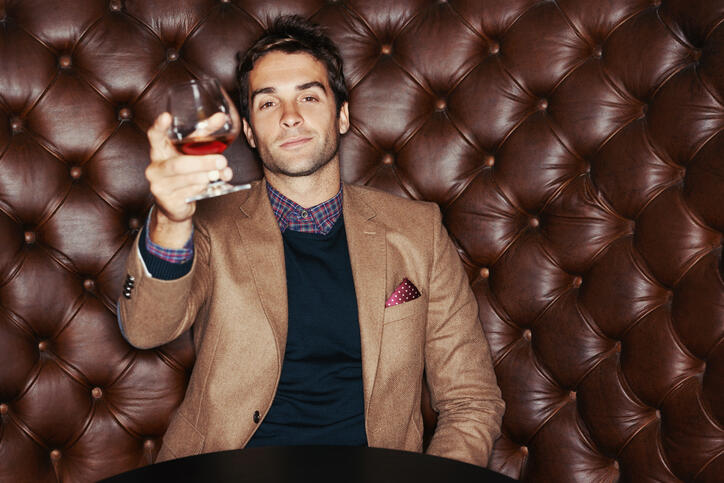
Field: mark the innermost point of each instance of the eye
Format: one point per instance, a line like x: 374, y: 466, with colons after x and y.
x: 265, y: 105
x: 309, y: 99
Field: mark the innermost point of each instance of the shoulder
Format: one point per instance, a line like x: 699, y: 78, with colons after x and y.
x: 395, y: 211
x: 220, y: 210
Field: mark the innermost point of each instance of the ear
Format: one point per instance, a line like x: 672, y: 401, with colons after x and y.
x: 344, y: 118
x: 248, y: 133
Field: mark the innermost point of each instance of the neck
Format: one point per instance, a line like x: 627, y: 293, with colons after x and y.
x: 308, y: 191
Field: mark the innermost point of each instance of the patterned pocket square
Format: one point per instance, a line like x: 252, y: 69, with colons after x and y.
x: 404, y: 292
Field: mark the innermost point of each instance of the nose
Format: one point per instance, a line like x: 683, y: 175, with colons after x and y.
x: 290, y: 116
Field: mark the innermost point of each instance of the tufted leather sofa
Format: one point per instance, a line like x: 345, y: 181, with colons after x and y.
x: 576, y: 148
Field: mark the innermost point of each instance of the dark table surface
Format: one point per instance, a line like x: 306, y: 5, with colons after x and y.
x: 313, y: 464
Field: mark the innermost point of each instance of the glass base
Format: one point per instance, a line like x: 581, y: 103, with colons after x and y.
x: 218, y: 188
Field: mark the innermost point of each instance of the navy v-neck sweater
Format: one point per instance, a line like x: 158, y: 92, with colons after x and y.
x: 320, y: 399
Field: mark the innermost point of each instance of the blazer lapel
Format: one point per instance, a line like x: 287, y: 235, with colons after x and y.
x: 367, y: 252
x: 264, y: 249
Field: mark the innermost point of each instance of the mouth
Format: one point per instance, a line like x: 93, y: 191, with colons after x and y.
x: 295, y: 142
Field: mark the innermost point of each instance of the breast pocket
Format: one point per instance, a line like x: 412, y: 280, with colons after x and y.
x: 402, y: 353
x: 405, y: 310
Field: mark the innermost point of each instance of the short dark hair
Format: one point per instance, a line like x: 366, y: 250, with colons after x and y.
x: 292, y: 34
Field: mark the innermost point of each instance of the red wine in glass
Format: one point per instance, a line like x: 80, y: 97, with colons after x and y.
x: 204, y: 121
x: 210, y: 146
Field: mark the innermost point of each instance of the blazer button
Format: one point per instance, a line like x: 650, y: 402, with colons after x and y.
x: 257, y: 417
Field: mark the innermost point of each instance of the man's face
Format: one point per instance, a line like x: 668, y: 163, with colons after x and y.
x: 293, y: 116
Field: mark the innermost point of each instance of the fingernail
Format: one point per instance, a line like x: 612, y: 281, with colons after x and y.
x: 220, y: 162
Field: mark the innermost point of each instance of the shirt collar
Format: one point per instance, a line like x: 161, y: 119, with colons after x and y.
x: 318, y: 219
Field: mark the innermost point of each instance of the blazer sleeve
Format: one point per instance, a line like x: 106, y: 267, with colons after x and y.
x: 159, y: 311
x: 458, y: 363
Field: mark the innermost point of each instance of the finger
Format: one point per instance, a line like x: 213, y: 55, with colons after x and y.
x: 226, y: 174
x: 193, y: 164
x: 169, y: 185
x: 175, y: 206
x: 183, y: 194
x: 210, y: 125
x: 161, y: 147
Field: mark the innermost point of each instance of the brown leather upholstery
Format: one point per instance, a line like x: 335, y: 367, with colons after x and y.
x: 574, y: 146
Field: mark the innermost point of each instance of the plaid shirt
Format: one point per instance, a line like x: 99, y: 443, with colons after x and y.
x: 171, y: 255
x: 290, y: 216
x: 317, y: 219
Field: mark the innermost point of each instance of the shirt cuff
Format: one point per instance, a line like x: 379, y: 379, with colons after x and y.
x: 162, y: 267
x: 171, y: 255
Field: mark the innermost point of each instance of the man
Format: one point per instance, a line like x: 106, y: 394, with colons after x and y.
x: 314, y: 305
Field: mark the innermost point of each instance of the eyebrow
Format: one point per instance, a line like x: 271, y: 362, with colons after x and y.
x: 300, y: 87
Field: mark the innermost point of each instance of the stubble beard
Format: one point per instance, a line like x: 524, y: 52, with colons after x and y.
x: 320, y: 159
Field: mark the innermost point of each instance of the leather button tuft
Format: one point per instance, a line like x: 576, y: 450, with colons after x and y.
x: 3, y: 409
x: 257, y: 417
x: 577, y: 281
x: 524, y: 450
x: 55, y: 455
x: 572, y: 395
x: 43, y: 345
x: 527, y: 334
x: 617, y: 347
x: 493, y: 47
x: 97, y: 393
x: 489, y: 161
x: 542, y: 104
x: 616, y: 465
x: 225, y: 1
x: 171, y: 55
x: 148, y: 444
x: 125, y: 114
x: 65, y: 61
x: 115, y: 5
x: 29, y: 237
x: 534, y: 222
x: 440, y: 105
x: 485, y: 272
x: 388, y: 159
x: 16, y: 124
x: 89, y: 284
x: 386, y: 49
x: 76, y: 172
x: 598, y: 52
x: 134, y: 223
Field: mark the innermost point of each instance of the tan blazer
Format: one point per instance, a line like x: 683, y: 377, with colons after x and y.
x: 235, y: 301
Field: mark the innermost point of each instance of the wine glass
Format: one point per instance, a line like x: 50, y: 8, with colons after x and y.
x: 204, y: 121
